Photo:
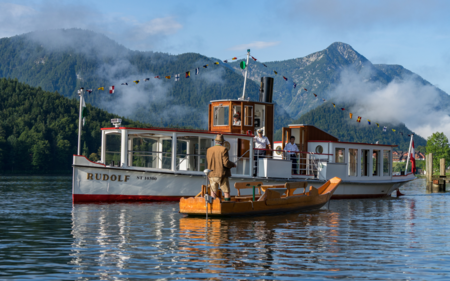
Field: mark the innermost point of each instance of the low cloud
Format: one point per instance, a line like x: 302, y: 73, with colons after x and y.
x: 406, y: 100
x: 254, y: 45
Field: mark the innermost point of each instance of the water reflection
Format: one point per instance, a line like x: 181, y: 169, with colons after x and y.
x: 43, y: 236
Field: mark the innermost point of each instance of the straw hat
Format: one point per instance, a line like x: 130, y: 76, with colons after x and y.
x: 219, y: 138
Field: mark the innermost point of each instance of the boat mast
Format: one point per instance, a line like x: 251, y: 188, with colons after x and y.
x: 245, y: 75
x: 80, y: 93
x: 409, y: 153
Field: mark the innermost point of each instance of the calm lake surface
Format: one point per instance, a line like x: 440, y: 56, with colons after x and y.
x: 44, y: 237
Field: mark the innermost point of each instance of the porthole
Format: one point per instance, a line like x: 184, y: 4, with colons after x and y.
x: 278, y: 150
x: 319, y: 149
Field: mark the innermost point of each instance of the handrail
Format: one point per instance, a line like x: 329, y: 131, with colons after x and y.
x: 296, y: 152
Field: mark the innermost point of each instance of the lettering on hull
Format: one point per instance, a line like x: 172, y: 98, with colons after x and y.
x: 106, y: 177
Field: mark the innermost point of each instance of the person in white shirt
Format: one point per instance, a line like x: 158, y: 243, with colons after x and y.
x: 261, y: 142
x: 236, y: 120
x: 290, y: 150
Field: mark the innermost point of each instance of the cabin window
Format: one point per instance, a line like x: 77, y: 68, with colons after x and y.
x: 365, y: 162
x: 144, y: 152
x: 248, y: 117
x: 149, y: 152
x: 204, y: 145
x: 221, y: 115
x: 376, y: 163
x: 237, y: 115
x: 112, y: 154
x: 188, y: 156
x: 319, y: 149
x: 386, y: 163
x: 353, y: 162
x: 339, y: 155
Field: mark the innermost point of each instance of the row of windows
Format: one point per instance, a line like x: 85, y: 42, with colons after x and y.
x: 364, y: 161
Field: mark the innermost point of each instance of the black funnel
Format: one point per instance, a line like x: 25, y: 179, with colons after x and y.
x: 266, y: 89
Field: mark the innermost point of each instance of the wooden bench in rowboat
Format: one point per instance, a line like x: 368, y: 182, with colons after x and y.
x: 274, y: 199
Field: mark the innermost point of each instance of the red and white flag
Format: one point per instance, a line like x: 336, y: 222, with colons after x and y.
x: 413, y: 160
x: 111, y: 90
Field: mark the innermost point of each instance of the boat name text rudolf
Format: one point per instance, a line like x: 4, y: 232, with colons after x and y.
x: 105, y: 177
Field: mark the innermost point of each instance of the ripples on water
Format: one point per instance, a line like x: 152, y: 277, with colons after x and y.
x: 43, y: 237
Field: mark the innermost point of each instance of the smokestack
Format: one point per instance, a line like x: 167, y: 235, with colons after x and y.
x: 266, y: 89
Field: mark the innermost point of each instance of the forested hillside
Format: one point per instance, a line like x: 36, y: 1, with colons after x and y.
x: 65, y: 60
x: 337, y: 122
x: 39, y: 129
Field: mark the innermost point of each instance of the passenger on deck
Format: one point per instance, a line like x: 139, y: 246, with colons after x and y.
x: 290, y: 150
x: 236, y: 120
x: 220, y: 165
x: 261, y: 142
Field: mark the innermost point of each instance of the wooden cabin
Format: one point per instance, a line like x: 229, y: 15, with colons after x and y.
x: 303, y: 134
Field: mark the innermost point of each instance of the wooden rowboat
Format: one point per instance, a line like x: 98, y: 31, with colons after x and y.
x: 275, y: 198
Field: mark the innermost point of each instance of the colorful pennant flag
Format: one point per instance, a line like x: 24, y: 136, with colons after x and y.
x: 157, y: 77
x: 378, y: 125
x: 359, y: 119
x: 305, y: 89
x: 243, y: 65
x: 216, y: 62
x: 111, y: 89
x: 235, y: 58
x: 285, y: 78
x: 188, y: 74
x: 254, y: 59
x: 384, y: 129
x: 264, y: 65
x: 393, y: 130
x: 89, y: 91
x: 324, y: 100
x: 276, y: 73
x: 295, y: 85
x: 146, y: 79
x: 197, y: 71
x: 137, y: 81
x: 342, y: 108
x: 225, y: 61
x: 126, y: 84
x: 167, y: 77
x: 333, y: 105
x: 351, y: 115
x: 368, y: 121
x: 177, y: 77
x: 205, y: 66
x: 101, y: 89
x: 315, y: 95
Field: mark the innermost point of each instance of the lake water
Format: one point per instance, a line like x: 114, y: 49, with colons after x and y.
x: 44, y: 237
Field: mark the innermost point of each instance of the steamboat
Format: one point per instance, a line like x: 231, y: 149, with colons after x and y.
x: 162, y: 164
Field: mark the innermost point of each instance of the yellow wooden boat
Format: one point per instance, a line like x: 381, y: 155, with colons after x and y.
x: 270, y: 199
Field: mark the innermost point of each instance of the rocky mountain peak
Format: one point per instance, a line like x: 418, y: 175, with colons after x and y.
x: 344, y: 50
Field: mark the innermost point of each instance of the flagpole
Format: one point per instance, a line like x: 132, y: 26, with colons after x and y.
x: 409, y: 153
x: 80, y: 93
x: 245, y: 76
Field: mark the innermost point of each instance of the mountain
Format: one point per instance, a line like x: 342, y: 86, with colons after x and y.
x: 65, y: 60
x: 337, y: 123
x: 39, y: 129
x: 320, y: 73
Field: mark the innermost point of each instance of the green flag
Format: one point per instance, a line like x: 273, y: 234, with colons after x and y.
x: 243, y: 65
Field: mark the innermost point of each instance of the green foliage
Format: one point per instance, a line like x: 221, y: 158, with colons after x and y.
x: 337, y: 123
x: 39, y: 129
x: 438, y: 144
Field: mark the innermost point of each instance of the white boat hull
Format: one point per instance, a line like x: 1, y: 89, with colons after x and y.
x: 106, y: 184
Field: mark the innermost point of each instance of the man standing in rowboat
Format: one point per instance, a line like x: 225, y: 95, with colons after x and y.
x: 220, y: 166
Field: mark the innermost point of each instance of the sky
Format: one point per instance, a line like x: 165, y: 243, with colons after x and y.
x: 412, y: 33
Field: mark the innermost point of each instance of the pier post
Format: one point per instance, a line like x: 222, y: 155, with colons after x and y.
x: 442, y: 167
x: 442, y: 175
x: 429, y: 170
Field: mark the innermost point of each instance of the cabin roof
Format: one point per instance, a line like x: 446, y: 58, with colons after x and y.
x: 236, y: 100
x: 306, y: 125
x: 360, y: 143
x: 177, y: 130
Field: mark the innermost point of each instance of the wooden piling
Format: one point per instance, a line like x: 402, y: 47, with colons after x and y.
x: 429, y: 167
x: 442, y: 167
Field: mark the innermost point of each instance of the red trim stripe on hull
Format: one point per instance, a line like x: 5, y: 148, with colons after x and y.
x: 97, y: 198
